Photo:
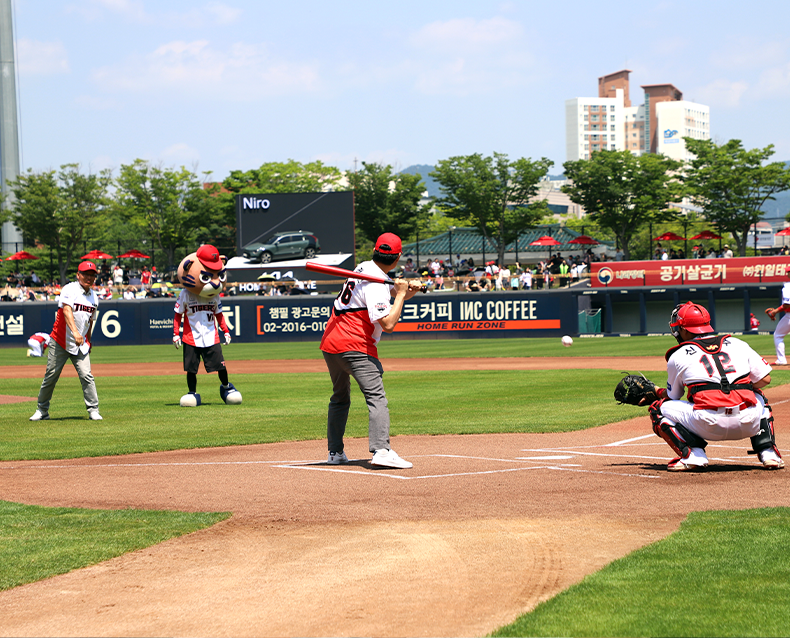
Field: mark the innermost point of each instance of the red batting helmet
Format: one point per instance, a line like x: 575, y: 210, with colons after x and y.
x: 692, y: 317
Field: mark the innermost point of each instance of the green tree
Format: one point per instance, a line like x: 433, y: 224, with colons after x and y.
x: 272, y: 177
x: 61, y: 209
x: 387, y: 202
x: 161, y: 201
x: 622, y: 192
x: 493, y: 194
x: 731, y: 184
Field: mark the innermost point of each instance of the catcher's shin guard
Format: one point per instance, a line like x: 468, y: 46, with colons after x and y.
x: 677, y: 437
x: 765, y: 439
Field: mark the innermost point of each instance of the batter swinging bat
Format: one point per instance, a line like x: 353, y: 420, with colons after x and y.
x: 342, y: 272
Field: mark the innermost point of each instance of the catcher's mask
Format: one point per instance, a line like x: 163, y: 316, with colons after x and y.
x: 692, y: 317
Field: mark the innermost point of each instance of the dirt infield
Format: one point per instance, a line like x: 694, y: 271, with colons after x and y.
x: 480, y: 530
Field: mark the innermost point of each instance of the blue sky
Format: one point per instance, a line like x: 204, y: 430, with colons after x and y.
x: 231, y: 84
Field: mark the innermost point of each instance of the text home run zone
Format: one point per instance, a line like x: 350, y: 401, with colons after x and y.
x: 504, y: 314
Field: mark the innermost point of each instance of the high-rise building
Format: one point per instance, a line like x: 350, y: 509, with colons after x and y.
x: 610, y: 122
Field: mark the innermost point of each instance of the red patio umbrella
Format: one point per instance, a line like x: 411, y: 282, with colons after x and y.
x: 96, y: 254
x: 134, y: 254
x: 584, y: 239
x: 781, y: 233
x: 669, y: 237
x: 545, y: 241
x: 22, y: 254
x: 707, y: 234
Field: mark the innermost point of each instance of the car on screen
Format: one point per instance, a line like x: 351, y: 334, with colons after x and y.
x: 295, y: 244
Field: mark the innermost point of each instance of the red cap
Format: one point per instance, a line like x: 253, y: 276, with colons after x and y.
x: 87, y: 266
x: 209, y: 257
x: 389, y: 244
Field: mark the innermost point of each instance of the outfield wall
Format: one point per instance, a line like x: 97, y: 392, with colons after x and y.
x: 552, y: 313
x: 304, y: 317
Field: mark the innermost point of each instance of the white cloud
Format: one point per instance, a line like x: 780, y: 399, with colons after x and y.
x: 774, y: 82
x: 41, y: 58
x: 461, y: 34
x: 240, y: 72
x: 180, y: 154
x: 212, y: 13
x: 723, y: 93
x: 463, y: 56
x: 748, y: 54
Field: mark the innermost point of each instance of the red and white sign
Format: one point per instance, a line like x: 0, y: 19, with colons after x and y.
x: 689, y: 272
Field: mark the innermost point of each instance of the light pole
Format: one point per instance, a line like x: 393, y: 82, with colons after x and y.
x: 450, y: 237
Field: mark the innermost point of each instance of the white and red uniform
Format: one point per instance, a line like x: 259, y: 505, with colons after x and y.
x: 354, y: 324
x: 709, y: 412
x: 83, y: 305
x: 783, y: 327
x: 37, y: 343
x: 200, y: 328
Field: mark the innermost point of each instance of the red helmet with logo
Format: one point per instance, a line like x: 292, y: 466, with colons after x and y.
x: 692, y: 317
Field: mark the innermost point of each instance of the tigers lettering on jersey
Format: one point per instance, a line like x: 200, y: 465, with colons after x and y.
x: 78, y: 307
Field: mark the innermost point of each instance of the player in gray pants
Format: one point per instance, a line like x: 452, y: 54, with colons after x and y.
x: 71, y: 340
x: 368, y: 371
x: 56, y: 359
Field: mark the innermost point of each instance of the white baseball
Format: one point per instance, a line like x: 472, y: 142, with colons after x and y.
x: 567, y: 341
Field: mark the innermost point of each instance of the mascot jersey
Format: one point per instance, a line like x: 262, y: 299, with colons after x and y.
x: 200, y: 330
x: 83, y: 305
x: 354, y: 324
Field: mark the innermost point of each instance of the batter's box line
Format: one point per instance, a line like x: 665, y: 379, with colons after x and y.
x: 630, y: 456
x: 400, y: 477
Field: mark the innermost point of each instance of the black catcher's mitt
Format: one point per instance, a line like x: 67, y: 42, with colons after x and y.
x: 636, y: 389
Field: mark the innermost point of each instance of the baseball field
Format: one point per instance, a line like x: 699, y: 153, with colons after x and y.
x: 536, y: 506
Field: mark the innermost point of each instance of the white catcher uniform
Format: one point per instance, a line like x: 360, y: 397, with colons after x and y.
x: 782, y: 328
x: 711, y: 413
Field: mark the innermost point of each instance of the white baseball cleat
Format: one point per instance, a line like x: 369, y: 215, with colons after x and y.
x: 771, y: 460
x: 388, y: 458
x: 696, y: 460
x: 38, y: 415
x: 94, y: 415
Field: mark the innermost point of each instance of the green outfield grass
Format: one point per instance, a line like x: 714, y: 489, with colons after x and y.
x: 40, y: 542
x: 409, y: 349
x: 722, y: 574
x: 143, y: 415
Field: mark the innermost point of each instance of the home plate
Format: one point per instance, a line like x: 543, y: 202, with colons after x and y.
x: 543, y: 458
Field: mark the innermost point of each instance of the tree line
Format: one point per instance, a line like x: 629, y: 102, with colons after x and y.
x: 172, y: 211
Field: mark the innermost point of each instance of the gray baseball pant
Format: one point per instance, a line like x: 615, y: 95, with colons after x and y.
x: 367, y: 372
x: 56, y: 359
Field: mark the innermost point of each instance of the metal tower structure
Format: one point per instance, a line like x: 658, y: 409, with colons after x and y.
x: 9, y: 123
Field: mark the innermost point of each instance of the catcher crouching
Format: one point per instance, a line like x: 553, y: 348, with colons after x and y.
x: 724, y: 377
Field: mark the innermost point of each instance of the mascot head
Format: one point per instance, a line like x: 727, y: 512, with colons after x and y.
x: 203, y: 272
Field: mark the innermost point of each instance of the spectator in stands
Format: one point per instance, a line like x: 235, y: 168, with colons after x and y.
x: 727, y: 254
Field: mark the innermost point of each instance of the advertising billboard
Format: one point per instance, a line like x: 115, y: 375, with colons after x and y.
x: 278, y: 232
x: 681, y: 272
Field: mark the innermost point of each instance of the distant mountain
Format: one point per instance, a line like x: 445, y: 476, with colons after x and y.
x: 431, y: 185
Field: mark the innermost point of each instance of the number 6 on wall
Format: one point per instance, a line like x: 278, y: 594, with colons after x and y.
x: 110, y: 326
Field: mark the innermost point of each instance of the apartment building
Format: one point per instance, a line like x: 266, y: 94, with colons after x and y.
x: 611, y: 122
